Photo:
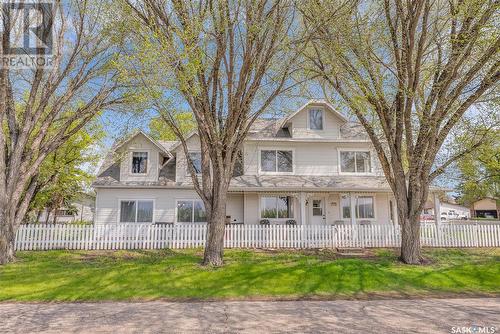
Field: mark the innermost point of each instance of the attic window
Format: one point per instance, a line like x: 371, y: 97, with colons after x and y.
x: 316, y: 119
x: 196, y: 160
x: 139, y: 162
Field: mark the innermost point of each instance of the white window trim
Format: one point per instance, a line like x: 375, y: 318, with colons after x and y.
x: 308, y: 122
x: 277, y: 219
x: 356, y: 195
x: 185, y: 200
x: 339, y: 162
x: 131, y: 159
x: 259, y: 158
x: 120, y: 200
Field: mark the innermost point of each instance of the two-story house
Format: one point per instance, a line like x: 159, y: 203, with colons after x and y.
x: 311, y: 167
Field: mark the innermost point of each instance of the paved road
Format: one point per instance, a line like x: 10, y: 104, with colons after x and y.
x: 380, y: 316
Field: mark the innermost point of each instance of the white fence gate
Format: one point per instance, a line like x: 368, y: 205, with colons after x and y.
x: 146, y: 236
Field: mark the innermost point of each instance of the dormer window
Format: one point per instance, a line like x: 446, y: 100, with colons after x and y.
x: 139, y: 162
x: 196, y: 160
x: 315, y: 119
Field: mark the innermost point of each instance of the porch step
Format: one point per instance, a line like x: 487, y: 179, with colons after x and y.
x: 351, y: 251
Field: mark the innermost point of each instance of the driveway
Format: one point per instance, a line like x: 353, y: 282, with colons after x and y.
x: 377, y: 316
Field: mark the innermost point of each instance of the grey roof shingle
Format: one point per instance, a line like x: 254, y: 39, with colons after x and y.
x: 268, y: 128
x: 272, y: 183
x: 299, y: 182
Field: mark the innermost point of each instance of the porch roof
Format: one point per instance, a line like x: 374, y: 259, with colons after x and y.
x: 271, y: 183
x: 311, y: 183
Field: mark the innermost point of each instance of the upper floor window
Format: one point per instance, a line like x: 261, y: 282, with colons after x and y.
x: 355, y: 162
x: 196, y: 160
x: 316, y: 119
x: 191, y: 211
x: 276, y: 161
x: 139, y: 162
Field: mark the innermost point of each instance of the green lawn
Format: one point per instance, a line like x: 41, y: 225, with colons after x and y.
x: 144, y: 275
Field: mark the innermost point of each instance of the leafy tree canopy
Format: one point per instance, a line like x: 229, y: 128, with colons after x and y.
x: 160, y: 130
x: 480, y: 171
x: 65, y: 175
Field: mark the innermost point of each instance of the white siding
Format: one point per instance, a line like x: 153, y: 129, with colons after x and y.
x: 107, y: 203
x: 382, y: 215
x: 251, y: 207
x: 309, y: 158
x: 181, y: 173
x: 333, y: 208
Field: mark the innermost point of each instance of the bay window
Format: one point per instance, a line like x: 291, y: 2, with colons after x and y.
x: 191, y: 211
x: 136, y: 211
x: 355, y: 162
x: 276, y: 207
x: 276, y: 161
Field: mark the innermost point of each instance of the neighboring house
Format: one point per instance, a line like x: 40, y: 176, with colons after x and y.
x: 313, y: 167
x: 81, y: 210
x: 487, y: 207
x: 448, y: 211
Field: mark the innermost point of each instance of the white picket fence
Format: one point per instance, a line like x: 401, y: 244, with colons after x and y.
x: 146, y: 236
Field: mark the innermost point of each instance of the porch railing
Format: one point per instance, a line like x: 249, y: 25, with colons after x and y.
x: 146, y: 236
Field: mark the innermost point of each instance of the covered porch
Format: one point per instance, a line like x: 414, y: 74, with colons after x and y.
x: 316, y: 208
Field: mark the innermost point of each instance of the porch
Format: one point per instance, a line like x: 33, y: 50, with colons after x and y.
x: 312, y: 208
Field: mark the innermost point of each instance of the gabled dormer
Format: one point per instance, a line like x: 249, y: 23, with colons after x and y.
x: 136, y: 158
x: 317, y: 119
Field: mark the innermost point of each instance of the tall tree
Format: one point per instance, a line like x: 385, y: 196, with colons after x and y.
x: 228, y: 61
x: 158, y: 129
x: 41, y: 108
x: 479, y: 172
x: 64, y: 175
x: 408, y: 70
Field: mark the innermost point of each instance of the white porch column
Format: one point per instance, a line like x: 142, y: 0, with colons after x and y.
x: 437, y: 209
x: 353, y: 209
x: 302, y: 200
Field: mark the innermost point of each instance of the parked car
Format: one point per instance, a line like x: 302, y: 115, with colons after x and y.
x: 424, y: 217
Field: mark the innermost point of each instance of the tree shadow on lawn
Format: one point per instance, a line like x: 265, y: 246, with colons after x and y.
x: 177, y: 275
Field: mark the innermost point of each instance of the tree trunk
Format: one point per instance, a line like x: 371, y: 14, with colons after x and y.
x: 410, y: 200
x: 216, y: 219
x: 7, y: 240
x: 214, y: 249
x: 48, y: 211
x: 410, y: 240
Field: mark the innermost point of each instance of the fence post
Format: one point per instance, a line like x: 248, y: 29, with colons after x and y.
x: 476, y: 235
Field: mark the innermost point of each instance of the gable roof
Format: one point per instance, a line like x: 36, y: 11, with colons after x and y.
x: 140, y: 132
x: 110, y: 158
x: 177, y: 143
x: 316, y: 102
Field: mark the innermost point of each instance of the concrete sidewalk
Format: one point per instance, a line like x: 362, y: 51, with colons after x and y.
x: 377, y: 316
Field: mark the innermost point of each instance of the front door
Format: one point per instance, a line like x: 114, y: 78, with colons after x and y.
x: 317, y: 211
